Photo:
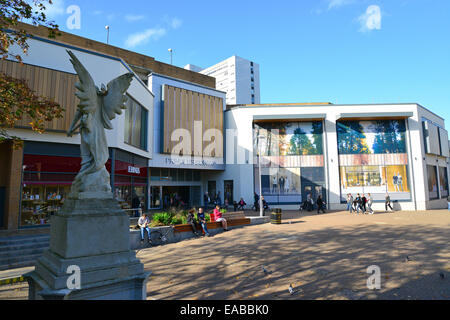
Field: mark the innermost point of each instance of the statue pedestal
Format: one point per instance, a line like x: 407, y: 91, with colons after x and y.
x: 91, y: 235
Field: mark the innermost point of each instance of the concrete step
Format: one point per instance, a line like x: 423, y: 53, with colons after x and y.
x: 22, y: 251
x: 23, y: 239
x: 25, y: 261
x: 23, y: 246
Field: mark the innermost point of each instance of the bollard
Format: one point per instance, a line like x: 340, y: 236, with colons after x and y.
x: 275, y: 217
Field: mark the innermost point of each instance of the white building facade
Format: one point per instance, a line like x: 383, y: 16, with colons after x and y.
x: 239, y: 78
x: 332, y: 150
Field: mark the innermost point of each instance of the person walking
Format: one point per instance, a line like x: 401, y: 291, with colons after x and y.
x: 358, y: 203
x: 369, y: 203
x: 320, y: 204
x: 350, y: 203
x: 363, y: 203
x: 387, y: 202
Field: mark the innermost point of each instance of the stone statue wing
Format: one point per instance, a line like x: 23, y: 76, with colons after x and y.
x: 87, y: 91
x: 114, y: 100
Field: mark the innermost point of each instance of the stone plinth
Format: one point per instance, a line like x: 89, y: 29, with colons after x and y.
x: 93, y: 235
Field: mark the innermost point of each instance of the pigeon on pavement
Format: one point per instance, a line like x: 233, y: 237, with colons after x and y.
x: 291, y: 289
x: 265, y: 270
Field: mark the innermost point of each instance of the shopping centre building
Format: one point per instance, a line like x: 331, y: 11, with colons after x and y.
x: 177, y: 139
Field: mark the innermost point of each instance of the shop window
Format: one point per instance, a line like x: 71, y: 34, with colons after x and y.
x: 432, y: 182
x: 165, y: 174
x: 443, y: 178
x: 46, y: 182
x: 41, y: 199
x: 155, y: 174
x: 197, y: 175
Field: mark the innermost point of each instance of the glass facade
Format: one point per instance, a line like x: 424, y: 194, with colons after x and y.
x: 136, y: 124
x: 130, y: 181
x: 292, y: 162
x: 432, y: 182
x: 373, y: 158
x: 443, y: 179
x: 175, y: 188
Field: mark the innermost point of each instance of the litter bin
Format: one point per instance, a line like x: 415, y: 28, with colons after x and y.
x: 275, y: 217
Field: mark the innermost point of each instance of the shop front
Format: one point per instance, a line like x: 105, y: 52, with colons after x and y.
x: 48, y: 172
x: 174, y: 187
x: 130, y: 181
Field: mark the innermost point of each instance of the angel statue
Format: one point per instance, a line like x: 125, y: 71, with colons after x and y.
x: 95, y: 111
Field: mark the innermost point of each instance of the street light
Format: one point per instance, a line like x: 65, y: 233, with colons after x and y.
x: 261, y: 208
x: 107, y: 35
x: 170, y: 50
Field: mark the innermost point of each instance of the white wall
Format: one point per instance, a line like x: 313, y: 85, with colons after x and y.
x: 242, y: 174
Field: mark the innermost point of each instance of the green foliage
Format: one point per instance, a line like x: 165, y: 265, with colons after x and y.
x: 170, y: 217
x: 161, y: 219
x: 17, y: 100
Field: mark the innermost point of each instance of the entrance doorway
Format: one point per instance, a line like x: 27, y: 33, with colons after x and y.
x: 175, y: 196
x: 228, y: 192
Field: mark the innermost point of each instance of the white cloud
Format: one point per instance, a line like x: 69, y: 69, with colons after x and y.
x: 338, y: 3
x: 133, y: 17
x: 176, y: 23
x: 145, y: 36
x: 371, y: 20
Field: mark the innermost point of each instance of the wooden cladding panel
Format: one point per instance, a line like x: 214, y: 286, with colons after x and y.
x: 182, y: 108
x: 52, y: 84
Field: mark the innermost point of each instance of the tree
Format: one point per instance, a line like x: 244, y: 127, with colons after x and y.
x: 300, y: 143
x: 16, y: 98
x: 351, y: 138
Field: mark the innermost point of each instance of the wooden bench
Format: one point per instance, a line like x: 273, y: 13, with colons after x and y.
x: 233, y: 219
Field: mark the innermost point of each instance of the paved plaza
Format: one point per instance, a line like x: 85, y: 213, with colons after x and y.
x: 323, y: 256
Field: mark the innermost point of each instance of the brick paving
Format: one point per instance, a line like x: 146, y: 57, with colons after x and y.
x: 323, y: 256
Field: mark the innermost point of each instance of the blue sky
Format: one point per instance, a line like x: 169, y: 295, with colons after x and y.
x: 339, y: 51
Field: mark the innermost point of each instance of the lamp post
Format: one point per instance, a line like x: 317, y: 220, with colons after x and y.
x: 107, y: 34
x: 261, y: 208
x: 170, y: 50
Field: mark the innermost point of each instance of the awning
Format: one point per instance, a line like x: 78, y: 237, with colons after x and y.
x: 374, y: 115
x: 290, y: 117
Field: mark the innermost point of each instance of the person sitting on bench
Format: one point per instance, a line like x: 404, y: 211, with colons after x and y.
x: 143, y: 223
x: 219, y: 218
x: 191, y: 220
x: 201, y: 218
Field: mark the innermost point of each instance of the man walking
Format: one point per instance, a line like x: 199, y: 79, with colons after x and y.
x: 369, y: 203
x: 350, y: 203
x: 363, y: 203
x: 387, y: 202
x: 320, y: 204
x: 358, y: 202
